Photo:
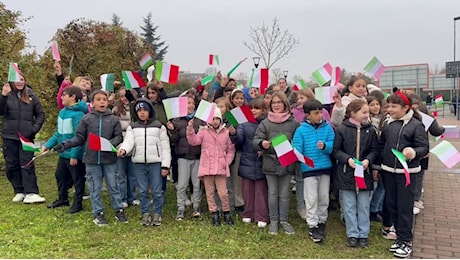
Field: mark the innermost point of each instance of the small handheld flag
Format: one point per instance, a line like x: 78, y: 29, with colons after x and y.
x: 97, y: 143
x: 359, y: 174
x: 402, y: 160
x: 300, y: 85
x: 304, y: 159
x: 146, y: 61
x: 323, y: 74
x: 207, y: 79
x: 167, y: 72
x: 132, y: 79
x: 107, y: 81
x: 447, y: 153
x: 175, y: 107
x: 438, y: 100
x: 27, y: 145
x: 240, y: 115
x: 236, y: 66
x: 375, y: 68
x: 284, y: 150
x: 205, y: 111
x: 260, y: 79
x: 13, y: 73
x: 55, y: 51
x: 213, y: 59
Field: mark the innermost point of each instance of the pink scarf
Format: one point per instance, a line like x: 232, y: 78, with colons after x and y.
x: 278, y: 117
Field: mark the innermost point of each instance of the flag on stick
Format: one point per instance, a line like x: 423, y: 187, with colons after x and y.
x: 213, y: 59
x: 438, y: 100
x: 335, y: 77
x: 167, y: 72
x: 98, y: 143
x: 300, y: 85
x: 403, y: 162
x: 284, y: 150
x: 375, y: 68
x: 447, y: 153
x: 205, y: 111
x: 207, y: 79
x: 175, y: 107
x: 240, y: 115
x: 132, y: 79
x: 323, y: 74
x: 235, y: 67
x: 260, y: 79
x: 146, y: 61
x: 150, y: 73
x: 359, y: 174
x: 13, y: 73
x: 107, y: 81
x: 325, y: 94
x: 27, y: 145
x: 304, y: 159
x: 55, y: 51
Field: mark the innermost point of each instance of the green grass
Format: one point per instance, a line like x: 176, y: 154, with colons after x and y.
x: 33, y: 231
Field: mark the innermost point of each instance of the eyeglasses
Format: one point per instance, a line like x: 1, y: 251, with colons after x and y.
x: 277, y: 102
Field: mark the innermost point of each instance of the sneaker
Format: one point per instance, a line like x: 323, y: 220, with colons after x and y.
x: 273, y: 228
x: 135, y: 203
x: 322, y: 229
x: 188, y: 202
x: 99, y: 220
x: 146, y: 219
x: 352, y: 242
x: 124, y: 204
x: 58, y: 203
x: 395, y: 246
x: 33, y: 198
x: 293, y: 180
x: 405, y: 250
x: 76, y: 207
x: 315, y: 235
x: 86, y: 196
x: 156, y: 220
x: 180, y: 215
x: 288, y: 229
x: 302, y: 213
x: 196, y: 213
x: 246, y: 220
x: 293, y: 189
x: 19, y: 197
x: 389, y: 234
x: 416, y: 210
x: 418, y: 204
x: 120, y: 216
x: 261, y: 224
x: 363, y: 242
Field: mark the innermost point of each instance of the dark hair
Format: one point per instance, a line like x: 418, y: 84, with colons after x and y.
x: 269, y: 92
x: 311, y: 105
x: 418, y: 100
x: 354, y: 106
x: 395, y: 99
x: 73, y: 91
x: 350, y: 83
x: 98, y: 91
x: 377, y: 94
x: 257, y: 103
x: 155, y: 88
x: 88, y: 78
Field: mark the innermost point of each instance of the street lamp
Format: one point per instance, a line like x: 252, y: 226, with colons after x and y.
x: 256, y: 61
x: 285, y: 73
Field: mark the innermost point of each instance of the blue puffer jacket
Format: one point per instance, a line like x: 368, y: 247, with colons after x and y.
x: 305, y: 141
x: 250, y: 163
x: 67, y: 123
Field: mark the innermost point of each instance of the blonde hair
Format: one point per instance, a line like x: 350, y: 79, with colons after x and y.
x: 308, y: 93
x: 226, y: 102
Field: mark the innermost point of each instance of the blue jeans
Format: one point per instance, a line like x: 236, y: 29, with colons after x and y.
x: 94, y: 176
x: 149, y: 175
x: 377, y: 198
x: 355, y: 209
x: 128, y: 179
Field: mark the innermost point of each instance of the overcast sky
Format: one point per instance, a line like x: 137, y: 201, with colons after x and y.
x: 345, y: 33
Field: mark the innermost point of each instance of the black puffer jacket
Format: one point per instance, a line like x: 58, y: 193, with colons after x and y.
x: 179, y: 138
x: 345, y: 147
x: 21, y: 117
x: 399, y: 134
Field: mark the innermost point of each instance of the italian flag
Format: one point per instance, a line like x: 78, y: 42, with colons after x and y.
x: 323, y: 74
x: 107, y: 81
x: 335, y: 77
x: 167, y: 72
x: 27, y: 145
x: 260, y: 79
x: 284, y: 150
x: 236, y: 66
x: 240, y: 115
x: 304, y: 159
x: 97, y: 143
x: 300, y: 85
x: 447, y: 153
x: 207, y: 79
x: 132, y: 79
x: 55, y: 51
x: 213, y: 59
x: 375, y: 68
x: 403, y: 162
x: 146, y: 61
x: 13, y: 73
x: 175, y: 107
x: 359, y: 174
x: 205, y: 111
x: 438, y: 100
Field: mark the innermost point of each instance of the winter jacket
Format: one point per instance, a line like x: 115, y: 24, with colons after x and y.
x: 345, y: 144
x: 68, y: 119
x: 217, y: 150
x: 339, y: 113
x: 266, y: 131
x: 125, y: 120
x: 435, y: 130
x: 103, y: 124
x: 179, y: 139
x: 306, y: 140
x: 250, y: 162
x: 21, y: 117
x: 399, y: 134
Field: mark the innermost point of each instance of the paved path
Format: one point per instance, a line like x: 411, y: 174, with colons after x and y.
x: 437, y: 227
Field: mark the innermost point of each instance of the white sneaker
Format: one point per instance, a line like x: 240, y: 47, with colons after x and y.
x: 124, y: 204
x: 19, y: 197
x: 33, y: 198
x: 246, y: 220
x: 136, y: 203
x: 416, y: 210
x: 188, y: 202
x: 418, y: 204
x: 261, y: 224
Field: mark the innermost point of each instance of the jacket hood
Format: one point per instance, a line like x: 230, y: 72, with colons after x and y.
x: 79, y: 106
x: 149, y: 103
x: 406, y: 118
x: 350, y: 124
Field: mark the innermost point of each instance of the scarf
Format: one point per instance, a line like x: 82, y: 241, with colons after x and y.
x: 278, y: 117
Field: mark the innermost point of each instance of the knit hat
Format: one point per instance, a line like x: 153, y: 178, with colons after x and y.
x: 144, y: 105
x: 371, y: 88
x: 217, y: 113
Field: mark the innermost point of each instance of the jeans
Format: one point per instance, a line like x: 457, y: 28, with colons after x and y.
x: 188, y: 169
x: 94, y: 175
x: 66, y: 173
x: 316, y: 195
x: 149, y: 175
x: 355, y: 208
x: 419, y: 185
x: 128, y: 179
x: 299, y: 188
x: 377, y: 198
x: 278, y: 197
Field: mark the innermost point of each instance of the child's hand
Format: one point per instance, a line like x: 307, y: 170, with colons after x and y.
x: 266, y: 144
x: 351, y: 162
x: 409, y: 153
x: 159, y: 84
x: 320, y: 145
x: 170, y: 126
x: 73, y: 162
x: 365, y: 163
x: 121, y: 153
x: 224, y: 81
x: 337, y: 99
x: 44, y: 149
x: 191, y: 122
x: 164, y: 172
x: 232, y: 130
x: 375, y: 175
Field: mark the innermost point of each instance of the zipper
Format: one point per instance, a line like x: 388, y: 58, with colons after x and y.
x: 145, y: 145
x: 100, y: 134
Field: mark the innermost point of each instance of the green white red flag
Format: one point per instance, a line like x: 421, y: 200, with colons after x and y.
x: 107, y: 81
x: 438, y: 100
x: 240, y: 115
x: 167, y: 72
x: 213, y: 59
x: 175, y: 107
x: 447, y: 153
x: 205, y: 111
x: 236, y: 66
x: 132, y: 79
x: 304, y: 159
x: 284, y: 150
x: 207, y: 79
x: 27, y: 145
x: 375, y: 68
x: 359, y: 174
x: 403, y: 162
x: 323, y: 74
x: 300, y: 85
x: 146, y: 61
x: 260, y: 79
x: 13, y: 73
x: 55, y: 51
x: 98, y: 143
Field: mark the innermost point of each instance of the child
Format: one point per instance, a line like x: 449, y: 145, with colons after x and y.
x: 254, y: 183
x: 69, y: 166
x: 356, y: 88
x: 188, y: 161
x: 314, y: 139
x: 148, y: 141
x: 99, y: 164
x: 279, y: 120
x: 217, y: 152
x: 401, y: 131
x: 356, y: 139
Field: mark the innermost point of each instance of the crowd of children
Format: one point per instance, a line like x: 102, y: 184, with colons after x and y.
x: 355, y: 138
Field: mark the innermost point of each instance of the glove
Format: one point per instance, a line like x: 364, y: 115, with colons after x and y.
x: 59, y: 148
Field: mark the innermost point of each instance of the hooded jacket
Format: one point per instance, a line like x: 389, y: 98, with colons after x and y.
x: 179, y: 138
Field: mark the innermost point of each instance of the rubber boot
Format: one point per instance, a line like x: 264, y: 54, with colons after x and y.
x: 228, y: 218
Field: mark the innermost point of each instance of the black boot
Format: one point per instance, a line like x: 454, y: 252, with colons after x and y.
x: 215, y: 219
x: 76, y: 207
x: 228, y: 218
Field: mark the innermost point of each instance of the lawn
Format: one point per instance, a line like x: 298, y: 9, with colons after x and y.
x: 33, y: 231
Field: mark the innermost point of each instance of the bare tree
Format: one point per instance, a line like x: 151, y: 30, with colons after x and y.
x: 270, y: 43
x: 276, y: 74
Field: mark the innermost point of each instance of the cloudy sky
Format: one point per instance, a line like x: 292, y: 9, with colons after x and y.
x: 346, y: 33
